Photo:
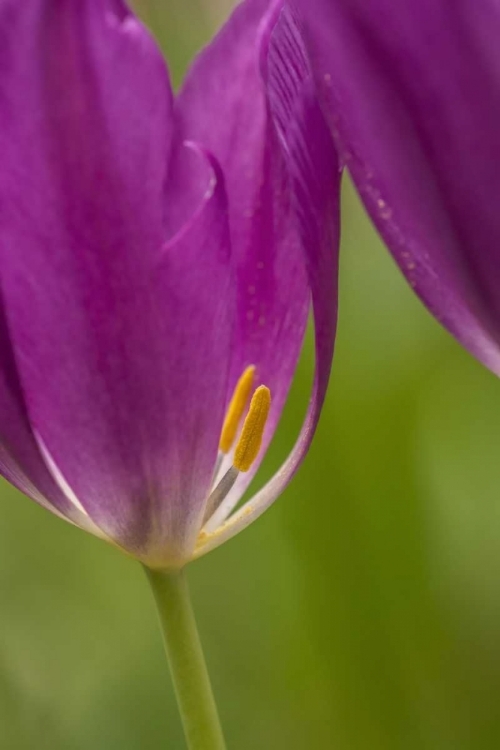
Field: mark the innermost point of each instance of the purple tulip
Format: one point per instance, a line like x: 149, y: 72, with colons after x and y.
x: 413, y: 93
x: 154, y: 251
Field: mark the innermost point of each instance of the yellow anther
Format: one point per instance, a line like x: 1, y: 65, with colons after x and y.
x: 251, y: 435
x: 236, y: 409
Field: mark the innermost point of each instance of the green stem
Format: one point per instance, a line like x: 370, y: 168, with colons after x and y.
x: 187, y: 663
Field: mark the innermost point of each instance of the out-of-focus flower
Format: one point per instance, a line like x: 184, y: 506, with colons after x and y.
x: 146, y: 285
x: 413, y: 93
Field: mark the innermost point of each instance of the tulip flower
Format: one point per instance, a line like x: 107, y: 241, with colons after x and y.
x: 412, y: 91
x: 159, y: 257
x: 142, y: 278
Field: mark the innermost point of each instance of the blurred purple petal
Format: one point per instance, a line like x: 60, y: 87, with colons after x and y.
x: 413, y: 92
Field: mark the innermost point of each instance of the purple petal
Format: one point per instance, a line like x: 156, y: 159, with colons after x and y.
x: 313, y: 168
x: 223, y: 105
x: 413, y: 90
x: 20, y: 460
x: 121, y: 343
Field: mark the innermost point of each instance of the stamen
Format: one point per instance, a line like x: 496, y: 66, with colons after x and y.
x: 236, y: 408
x: 221, y: 501
x: 251, y: 435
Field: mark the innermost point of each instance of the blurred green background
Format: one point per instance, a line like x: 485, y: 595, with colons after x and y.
x: 362, y: 611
